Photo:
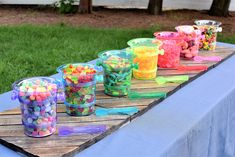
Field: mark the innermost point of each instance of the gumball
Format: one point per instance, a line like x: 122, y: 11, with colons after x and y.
x: 38, y: 98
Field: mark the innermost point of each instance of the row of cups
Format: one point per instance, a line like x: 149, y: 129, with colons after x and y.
x: 38, y: 96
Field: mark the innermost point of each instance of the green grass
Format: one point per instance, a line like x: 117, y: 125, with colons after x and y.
x: 226, y: 39
x: 28, y: 50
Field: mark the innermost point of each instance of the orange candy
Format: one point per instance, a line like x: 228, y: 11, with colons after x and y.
x: 147, y: 58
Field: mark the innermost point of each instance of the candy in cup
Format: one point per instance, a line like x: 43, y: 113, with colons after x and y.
x: 79, y: 81
x: 209, y: 29
x: 38, y: 101
x: 117, y: 65
x: 146, y: 51
x: 172, y: 48
x: 190, y: 45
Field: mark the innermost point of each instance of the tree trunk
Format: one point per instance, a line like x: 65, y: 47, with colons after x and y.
x: 155, y: 7
x: 220, y: 8
x: 85, y: 6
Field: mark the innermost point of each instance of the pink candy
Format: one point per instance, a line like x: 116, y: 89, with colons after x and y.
x: 190, y: 45
x: 171, y: 45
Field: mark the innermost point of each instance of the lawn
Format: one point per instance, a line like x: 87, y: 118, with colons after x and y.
x: 28, y: 50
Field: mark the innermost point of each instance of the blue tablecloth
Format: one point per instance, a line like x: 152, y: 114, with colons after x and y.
x: 196, y: 121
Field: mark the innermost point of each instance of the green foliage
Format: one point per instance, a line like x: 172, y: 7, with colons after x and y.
x: 226, y: 38
x: 66, y: 6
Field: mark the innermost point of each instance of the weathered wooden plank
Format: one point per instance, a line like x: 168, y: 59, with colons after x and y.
x: 142, y: 88
x: 175, y: 72
x: 144, y: 84
x: 48, y: 152
x: 62, y: 118
x: 122, y: 102
x: 17, y: 130
x: 25, y: 142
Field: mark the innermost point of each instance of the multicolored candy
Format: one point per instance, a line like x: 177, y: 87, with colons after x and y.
x: 190, y: 45
x: 38, y: 98
x: 79, y: 83
x: 209, y: 31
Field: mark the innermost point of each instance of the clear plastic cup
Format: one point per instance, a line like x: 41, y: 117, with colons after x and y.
x: 79, y: 84
x: 209, y: 31
x: 117, y: 66
x: 146, y: 51
x: 190, y: 46
x: 38, y: 102
x: 172, y: 48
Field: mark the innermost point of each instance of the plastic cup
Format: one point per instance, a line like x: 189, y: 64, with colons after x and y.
x: 146, y: 52
x: 38, y: 103
x: 79, y: 84
x: 209, y: 31
x: 172, y: 48
x: 117, y: 66
x: 190, y: 46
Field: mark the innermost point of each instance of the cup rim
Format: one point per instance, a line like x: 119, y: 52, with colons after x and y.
x: 214, y: 23
x: 15, y: 85
x: 130, y: 42
x: 106, y: 51
x: 61, y: 67
x: 177, y: 37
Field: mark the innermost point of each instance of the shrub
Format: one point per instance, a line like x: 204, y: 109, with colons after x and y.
x: 66, y: 6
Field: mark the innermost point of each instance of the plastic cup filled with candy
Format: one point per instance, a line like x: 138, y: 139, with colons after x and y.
x: 190, y: 46
x: 209, y: 31
x: 117, y: 66
x: 172, y: 48
x: 38, y: 102
x: 146, y: 51
x: 79, y: 84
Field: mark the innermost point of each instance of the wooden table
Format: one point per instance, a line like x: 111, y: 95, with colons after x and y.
x: 11, y: 130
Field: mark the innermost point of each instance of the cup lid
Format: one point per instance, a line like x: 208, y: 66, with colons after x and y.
x: 167, y: 35
x: 151, y: 42
x: 207, y: 22
x: 43, y: 83
x: 115, y: 54
x: 185, y: 28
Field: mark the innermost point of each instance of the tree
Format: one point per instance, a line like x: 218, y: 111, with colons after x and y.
x: 220, y: 8
x: 85, y: 6
x: 155, y: 7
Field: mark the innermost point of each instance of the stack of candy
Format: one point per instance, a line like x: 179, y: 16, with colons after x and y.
x: 190, y: 45
x: 79, y: 83
x: 209, y: 31
x: 172, y: 48
x: 117, y: 66
x: 146, y: 52
x: 38, y: 98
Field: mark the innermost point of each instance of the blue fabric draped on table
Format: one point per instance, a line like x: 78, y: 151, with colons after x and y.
x: 196, y: 121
